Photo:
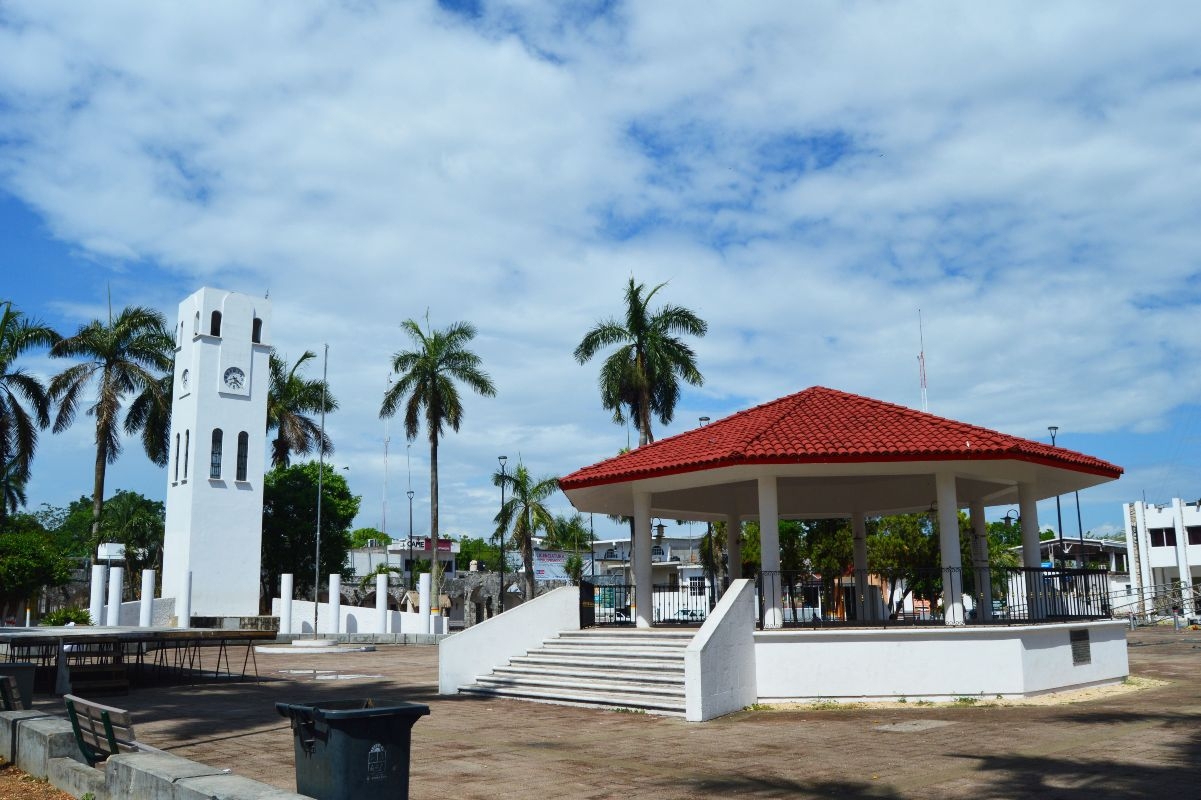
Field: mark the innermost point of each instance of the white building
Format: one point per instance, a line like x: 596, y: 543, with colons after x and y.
x: 401, y: 554
x: 218, y: 451
x: 1164, y: 546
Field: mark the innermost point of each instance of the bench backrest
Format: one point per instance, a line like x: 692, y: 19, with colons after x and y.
x: 10, y: 694
x: 100, y: 731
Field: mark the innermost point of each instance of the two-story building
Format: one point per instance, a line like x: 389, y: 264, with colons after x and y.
x: 1163, y: 543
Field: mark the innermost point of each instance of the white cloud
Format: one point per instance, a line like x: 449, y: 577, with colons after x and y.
x: 806, y: 177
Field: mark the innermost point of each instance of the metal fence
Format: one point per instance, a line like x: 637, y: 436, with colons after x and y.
x: 683, y: 603
x: 933, y: 596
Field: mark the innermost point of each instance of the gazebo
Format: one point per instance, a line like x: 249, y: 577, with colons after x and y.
x: 817, y: 454
x: 820, y: 454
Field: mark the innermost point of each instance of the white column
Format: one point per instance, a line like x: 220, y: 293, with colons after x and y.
x: 769, y: 551
x: 335, y: 603
x: 863, y: 606
x: 96, y: 601
x: 146, y: 610
x: 183, y: 605
x: 381, y: 603
x: 980, y: 555
x: 948, y: 546
x: 1182, y: 565
x: 644, y: 602
x: 116, y: 581
x: 734, y: 546
x: 285, y: 603
x: 1028, y: 508
x: 423, y: 602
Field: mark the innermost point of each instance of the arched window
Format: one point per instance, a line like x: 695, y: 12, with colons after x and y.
x: 215, y: 324
x: 215, y: 457
x: 187, y: 444
x: 256, y: 331
x: 196, y: 324
x: 179, y: 335
x: 243, y: 454
x: 176, y: 478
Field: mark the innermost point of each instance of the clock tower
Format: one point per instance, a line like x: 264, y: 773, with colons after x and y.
x: 217, y: 458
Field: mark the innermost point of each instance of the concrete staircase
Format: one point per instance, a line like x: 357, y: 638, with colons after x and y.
x: 605, y: 667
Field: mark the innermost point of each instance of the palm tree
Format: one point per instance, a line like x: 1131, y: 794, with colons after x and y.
x: 12, y: 489
x: 642, y: 377
x: 426, y: 386
x: 128, y: 356
x: 289, y: 398
x: 525, y: 513
x: 18, y: 424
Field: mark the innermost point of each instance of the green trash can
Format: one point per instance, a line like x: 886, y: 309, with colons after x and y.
x: 352, y: 749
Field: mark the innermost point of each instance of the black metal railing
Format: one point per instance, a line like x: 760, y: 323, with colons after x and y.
x: 683, y: 603
x: 933, y: 596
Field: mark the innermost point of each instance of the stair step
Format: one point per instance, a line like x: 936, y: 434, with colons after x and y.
x: 608, y: 652
x: 636, y: 683
x: 659, y: 705
x: 544, y: 660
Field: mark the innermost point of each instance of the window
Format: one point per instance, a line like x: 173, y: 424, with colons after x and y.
x: 673, y: 582
x: 1194, y: 534
x: 215, y: 325
x: 243, y: 453
x: 696, y: 586
x: 1163, y: 537
x: 187, y: 443
x: 196, y: 324
x: 215, y: 457
x: 179, y: 335
x: 176, y: 478
x: 256, y: 331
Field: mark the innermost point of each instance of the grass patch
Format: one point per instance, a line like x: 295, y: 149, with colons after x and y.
x: 630, y: 710
x: 966, y: 701
x: 758, y: 707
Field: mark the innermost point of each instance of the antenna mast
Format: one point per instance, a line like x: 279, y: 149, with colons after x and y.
x: 921, y: 360
x: 383, y: 525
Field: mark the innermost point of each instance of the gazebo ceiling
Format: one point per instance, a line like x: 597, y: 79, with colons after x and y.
x: 832, y: 453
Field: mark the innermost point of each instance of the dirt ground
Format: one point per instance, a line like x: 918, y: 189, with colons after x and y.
x: 16, y: 785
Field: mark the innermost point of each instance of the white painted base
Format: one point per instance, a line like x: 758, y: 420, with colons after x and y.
x: 354, y: 619
x: 934, y: 663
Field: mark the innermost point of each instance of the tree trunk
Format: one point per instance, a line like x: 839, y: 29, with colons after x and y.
x: 435, y: 573
x: 98, y: 494
x: 527, y: 553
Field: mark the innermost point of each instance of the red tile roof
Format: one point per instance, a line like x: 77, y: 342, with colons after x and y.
x: 820, y: 425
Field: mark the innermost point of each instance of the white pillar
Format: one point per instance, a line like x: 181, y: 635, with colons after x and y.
x: 948, y: 546
x: 982, y: 574
x: 183, y: 605
x: 863, y: 605
x: 381, y: 603
x: 96, y: 601
x: 1182, y: 566
x: 335, y: 603
x: 734, y: 546
x: 146, y: 610
x: 1031, y: 558
x: 285, y: 603
x: 644, y: 602
x: 423, y: 602
x: 769, y: 551
x: 116, y: 583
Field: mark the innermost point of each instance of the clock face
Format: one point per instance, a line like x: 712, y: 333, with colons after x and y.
x: 184, y: 378
x: 235, y: 378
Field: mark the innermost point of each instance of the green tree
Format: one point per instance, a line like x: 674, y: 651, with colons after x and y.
x: 359, y: 538
x: 426, y: 377
x: 480, y: 550
x: 525, y: 513
x: 290, y: 525
x: 903, y: 548
x: 569, y: 532
x: 125, y: 359
x: 138, y: 523
x: 24, y: 402
x: 70, y: 527
x: 290, y: 397
x: 642, y: 377
x: 29, y: 563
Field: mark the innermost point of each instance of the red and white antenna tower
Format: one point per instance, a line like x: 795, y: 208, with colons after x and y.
x: 921, y: 360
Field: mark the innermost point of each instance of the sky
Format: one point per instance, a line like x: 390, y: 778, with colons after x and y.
x: 805, y: 177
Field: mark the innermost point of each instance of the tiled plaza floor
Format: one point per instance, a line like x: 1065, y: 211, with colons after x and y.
x: 1138, y: 744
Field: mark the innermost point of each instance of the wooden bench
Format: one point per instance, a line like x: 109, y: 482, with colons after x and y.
x: 102, y: 731
x: 10, y: 694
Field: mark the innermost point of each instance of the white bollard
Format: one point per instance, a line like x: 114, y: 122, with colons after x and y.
x: 381, y: 603
x: 96, y: 602
x: 183, y: 605
x: 146, y: 611
x: 285, y: 603
x: 335, y: 603
x: 116, y: 582
x: 423, y: 602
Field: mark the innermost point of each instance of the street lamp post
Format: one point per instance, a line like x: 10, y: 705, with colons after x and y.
x: 1054, y: 429
x: 501, y: 534
x: 409, y: 493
